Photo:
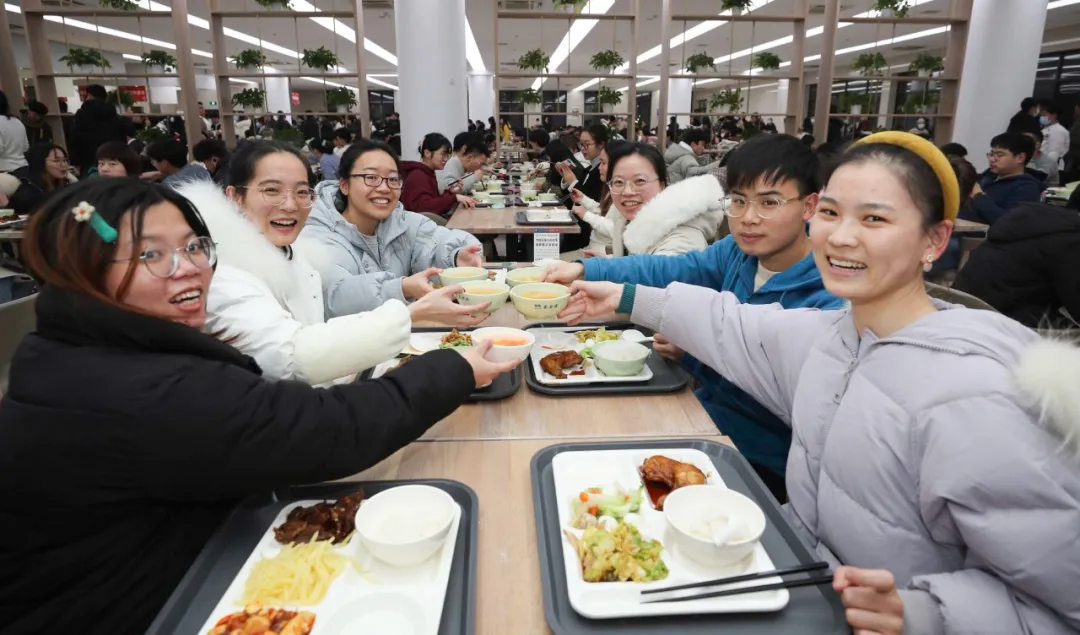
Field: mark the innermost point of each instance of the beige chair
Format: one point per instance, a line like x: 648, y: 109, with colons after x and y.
x: 17, y: 318
x: 956, y: 297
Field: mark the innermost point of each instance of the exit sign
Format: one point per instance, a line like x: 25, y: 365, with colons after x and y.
x: 213, y: 103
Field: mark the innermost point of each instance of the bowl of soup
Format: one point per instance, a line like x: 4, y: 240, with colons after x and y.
x: 497, y: 199
x: 508, y: 344
x: 480, y: 291
x: 539, y: 300
x: 457, y: 275
x: 546, y: 196
x: 524, y: 275
x: 481, y: 196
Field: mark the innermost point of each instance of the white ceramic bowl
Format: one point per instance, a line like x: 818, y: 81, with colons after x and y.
x: 497, y: 199
x: 481, y: 195
x: 540, y: 308
x: 480, y: 291
x: 405, y: 525
x: 547, y: 196
x: 620, y: 358
x: 689, y: 510
x: 524, y: 275
x: 457, y: 275
x: 503, y: 353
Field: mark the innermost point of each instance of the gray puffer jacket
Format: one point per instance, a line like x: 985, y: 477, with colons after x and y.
x: 945, y: 452
x: 682, y: 163
x: 357, y: 279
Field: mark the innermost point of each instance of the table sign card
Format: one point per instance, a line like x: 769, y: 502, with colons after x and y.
x: 545, y: 245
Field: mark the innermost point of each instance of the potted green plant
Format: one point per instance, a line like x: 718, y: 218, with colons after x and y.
x: 575, y: 5
x: 854, y: 103
x: 84, y: 57
x: 608, y: 96
x: 920, y: 102
x: 699, y: 60
x: 607, y: 61
x: 119, y: 5
x: 342, y: 99
x: 766, y: 61
x: 926, y: 64
x: 250, y: 98
x: 274, y: 4
x: 120, y: 98
x: 731, y: 100
x: 322, y: 59
x: 534, y: 60
x: 250, y: 58
x: 736, y: 6
x: 530, y: 96
x: 870, y: 64
x: 892, y: 8
x: 150, y: 135
x: 162, y: 59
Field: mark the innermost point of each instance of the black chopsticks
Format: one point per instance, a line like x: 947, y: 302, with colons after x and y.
x: 784, y: 584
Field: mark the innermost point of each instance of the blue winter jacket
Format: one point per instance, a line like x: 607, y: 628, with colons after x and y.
x: 1000, y: 196
x: 762, y: 437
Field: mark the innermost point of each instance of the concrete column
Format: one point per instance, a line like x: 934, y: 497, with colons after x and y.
x: 654, y: 108
x: 825, y: 71
x: 185, y: 71
x: 10, y: 82
x: 996, y: 77
x: 782, y: 95
x: 680, y: 98
x: 431, y: 69
x: 481, y: 97
x: 885, y: 105
x: 277, y: 95
x: 575, y: 99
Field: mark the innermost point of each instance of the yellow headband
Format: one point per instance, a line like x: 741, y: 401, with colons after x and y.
x: 937, y: 161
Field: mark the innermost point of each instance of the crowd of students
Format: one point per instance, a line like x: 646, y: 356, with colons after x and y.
x: 929, y: 452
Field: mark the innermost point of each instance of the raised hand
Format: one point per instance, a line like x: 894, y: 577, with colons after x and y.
x: 873, y: 605
x: 591, y: 300
x: 438, y: 306
x: 418, y: 285
x: 484, y: 371
x: 576, y: 195
x: 466, y: 201
x: 564, y: 272
x: 471, y: 256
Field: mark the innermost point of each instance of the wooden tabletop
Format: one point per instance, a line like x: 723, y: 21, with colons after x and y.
x: 509, y: 598
x: 481, y: 221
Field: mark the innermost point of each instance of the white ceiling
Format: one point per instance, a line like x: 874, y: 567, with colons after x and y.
x: 518, y: 36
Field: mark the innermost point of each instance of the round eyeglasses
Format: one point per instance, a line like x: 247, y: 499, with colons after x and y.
x: 164, y: 262
x: 275, y: 196
x: 618, y: 186
x: 767, y: 206
x: 374, y: 180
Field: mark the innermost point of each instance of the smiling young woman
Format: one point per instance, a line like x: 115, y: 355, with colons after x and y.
x: 127, y: 434
x: 934, y: 447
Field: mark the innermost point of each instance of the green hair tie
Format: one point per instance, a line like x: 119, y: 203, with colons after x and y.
x: 84, y: 212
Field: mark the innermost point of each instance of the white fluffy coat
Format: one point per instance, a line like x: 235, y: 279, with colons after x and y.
x: 683, y: 217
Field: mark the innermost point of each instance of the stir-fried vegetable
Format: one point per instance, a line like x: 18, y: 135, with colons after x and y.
x: 599, y: 335
x: 611, y: 500
x: 619, y: 555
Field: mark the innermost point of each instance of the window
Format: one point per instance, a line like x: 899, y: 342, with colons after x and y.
x: 380, y: 104
x: 554, y: 104
x: 509, y: 102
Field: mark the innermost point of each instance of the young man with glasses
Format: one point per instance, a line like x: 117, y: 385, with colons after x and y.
x: 170, y: 158
x: 466, y: 167
x: 773, y: 185
x: 1006, y: 183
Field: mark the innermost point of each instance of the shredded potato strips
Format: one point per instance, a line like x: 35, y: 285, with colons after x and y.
x: 299, y: 575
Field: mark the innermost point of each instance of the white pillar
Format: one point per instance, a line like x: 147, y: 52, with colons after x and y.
x: 481, y: 97
x: 431, y: 70
x: 654, y: 106
x: 997, y: 76
x: 575, y: 100
x: 781, y: 103
x: 885, y: 105
x: 680, y: 98
x: 532, y: 120
x: 277, y: 95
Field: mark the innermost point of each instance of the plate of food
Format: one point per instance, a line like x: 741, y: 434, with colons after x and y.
x: 347, y: 565
x: 567, y: 356
x: 425, y: 342
x: 618, y: 540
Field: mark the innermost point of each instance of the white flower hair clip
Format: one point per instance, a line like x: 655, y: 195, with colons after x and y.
x: 84, y: 212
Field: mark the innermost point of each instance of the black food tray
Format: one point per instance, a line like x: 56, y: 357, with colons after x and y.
x: 668, y: 376
x: 209, y: 577
x: 811, y: 610
x: 522, y: 219
x: 505, y: 385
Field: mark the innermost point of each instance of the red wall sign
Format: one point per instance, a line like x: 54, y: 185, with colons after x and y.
x: 296, y: 99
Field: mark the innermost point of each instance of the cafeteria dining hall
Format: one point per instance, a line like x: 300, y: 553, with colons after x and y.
x: 540, y: 317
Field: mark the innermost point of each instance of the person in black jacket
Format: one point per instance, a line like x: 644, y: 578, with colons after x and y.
x: 1027, y: 119
x: 46, y: 172
x: 96, y: 122
x: 585, y: 180
x: 1029, y: 266
x: 127, y: 435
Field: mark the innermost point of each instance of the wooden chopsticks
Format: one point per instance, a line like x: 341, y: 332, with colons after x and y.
x: 784, y: 584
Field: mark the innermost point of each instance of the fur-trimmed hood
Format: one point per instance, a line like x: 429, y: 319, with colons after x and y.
x: 1048, y: 373
x: 239, y: 242
x: 693, y: 204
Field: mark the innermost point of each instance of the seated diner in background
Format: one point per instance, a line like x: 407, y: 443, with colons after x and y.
x: 46, y: 172
x: 928, y: 438
x: 597, y: 212
x: 367, y: 248
x: 1006, y: 183
x: 420, y: 191
x: 127, y: 435
x: 466, y: 168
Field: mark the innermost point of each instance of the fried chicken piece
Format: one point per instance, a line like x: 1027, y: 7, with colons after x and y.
x: 674, y: 474
x: 554, y: 363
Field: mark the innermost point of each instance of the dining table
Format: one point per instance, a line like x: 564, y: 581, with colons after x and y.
x: 498, y: 221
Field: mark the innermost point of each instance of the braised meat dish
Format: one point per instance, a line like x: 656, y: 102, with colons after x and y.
x: 555, y: 363
x: 670, y: 474
x: 323, y: 521
x: 265, y: 621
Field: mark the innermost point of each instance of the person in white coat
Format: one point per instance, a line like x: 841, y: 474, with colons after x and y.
x: 598, y: 214
x: 1055, y: 136
x: 13, y: 142
x: 267, y: 299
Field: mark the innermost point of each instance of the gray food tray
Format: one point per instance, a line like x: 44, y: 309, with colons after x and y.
x: 522, y: 219
x: 811, y: 611
x: 224, y: 555
x: 668, y: 376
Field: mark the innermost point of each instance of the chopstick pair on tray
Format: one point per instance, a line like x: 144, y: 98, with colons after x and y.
x: 785, y: 584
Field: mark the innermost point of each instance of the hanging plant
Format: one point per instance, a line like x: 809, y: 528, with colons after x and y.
x: 162, y: 59
x: 699, y: 60
x: 250, y: 98
x: 766, y: 61
x: 534, y: 60
x: 321, y: 58
x: 731, y: 98
x: 576, y: 5
x: 120, y: 98
x: 150, y: 135
x: 274, y: 4
x: 250, y: 58
x: 889, y: 8
x: 736, y: 6
x: 120, y: 5
x: 848, y: 100
x: 927, y: 62
x: 920, y: 102
x: 341, y: 96
x: 870, y: 64
x: 607, y: 61
x: 84, y: 57
x: 608, y: 96
x: 530, y: 96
